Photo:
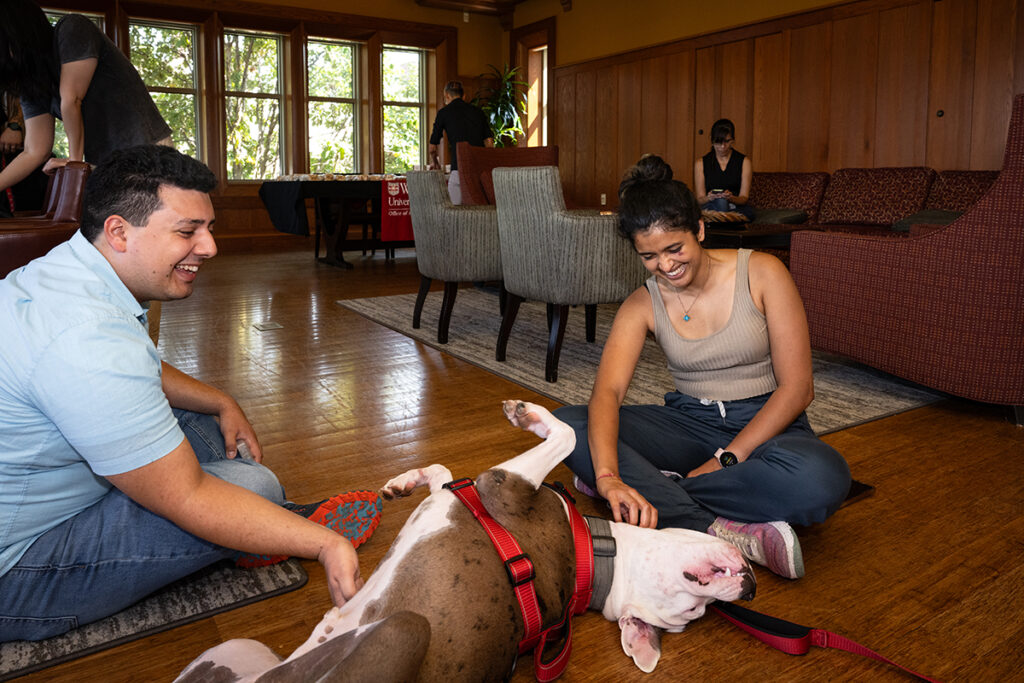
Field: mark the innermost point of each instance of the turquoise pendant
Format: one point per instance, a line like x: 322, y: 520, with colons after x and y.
x: 686, y: 318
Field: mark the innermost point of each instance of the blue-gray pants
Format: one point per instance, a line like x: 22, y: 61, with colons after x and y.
x: 794, y: 477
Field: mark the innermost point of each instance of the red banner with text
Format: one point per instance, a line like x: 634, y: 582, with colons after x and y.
x: 395, y: 222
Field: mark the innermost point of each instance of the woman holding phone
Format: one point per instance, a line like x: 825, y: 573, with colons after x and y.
x: 721, y: 178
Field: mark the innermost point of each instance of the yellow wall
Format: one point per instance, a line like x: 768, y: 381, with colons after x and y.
x: 481, y: 41
x: 597, y: 28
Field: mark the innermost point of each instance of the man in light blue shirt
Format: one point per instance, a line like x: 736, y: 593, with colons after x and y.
x: 118, y: 473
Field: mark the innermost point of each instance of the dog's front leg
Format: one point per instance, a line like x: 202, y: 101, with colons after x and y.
x: 559, y: 440
x: 434, y: 476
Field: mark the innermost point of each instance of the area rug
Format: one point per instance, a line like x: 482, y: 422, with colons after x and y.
x: 846, y: 393
x: 216, y: 589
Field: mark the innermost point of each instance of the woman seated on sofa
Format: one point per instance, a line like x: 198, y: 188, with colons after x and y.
x: 721, y: 178
x: 731, y: 452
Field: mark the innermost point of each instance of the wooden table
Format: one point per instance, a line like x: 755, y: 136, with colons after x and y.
x: 338, y: 204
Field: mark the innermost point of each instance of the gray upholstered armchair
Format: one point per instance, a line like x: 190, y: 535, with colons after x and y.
x: 561, y: 257
x: 453, y: 244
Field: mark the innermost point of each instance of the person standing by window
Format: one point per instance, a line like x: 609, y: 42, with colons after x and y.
x: 73, y: 72
x: 462, y: 122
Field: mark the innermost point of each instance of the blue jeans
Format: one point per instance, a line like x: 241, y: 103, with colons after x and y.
x: 724, y: 205
x: 794, y: 477
x: 116, y: 552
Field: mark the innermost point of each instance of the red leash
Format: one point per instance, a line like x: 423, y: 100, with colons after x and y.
x: 520, y: 572
x: 794, y: 639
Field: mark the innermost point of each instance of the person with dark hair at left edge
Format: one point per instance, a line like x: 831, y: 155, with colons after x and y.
x: 120, y: 474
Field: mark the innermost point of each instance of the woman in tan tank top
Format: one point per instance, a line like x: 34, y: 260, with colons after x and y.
x: 731, y: 452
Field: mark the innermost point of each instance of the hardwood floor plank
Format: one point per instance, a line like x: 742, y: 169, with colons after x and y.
x: 928, y: 570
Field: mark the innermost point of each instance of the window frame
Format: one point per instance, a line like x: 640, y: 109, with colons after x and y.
x: 279, y: 96
x: 421, y: 104
x: 355, y: 100
x: 197, y: 72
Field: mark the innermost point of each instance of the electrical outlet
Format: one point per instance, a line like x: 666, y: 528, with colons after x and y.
x: 604, y: 199
x: 465, y: 17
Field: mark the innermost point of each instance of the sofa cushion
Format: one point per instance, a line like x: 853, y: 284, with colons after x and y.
x: 927, y: 216
x: 784, y: 190
x: 959, y: 190
x: 874, y: 196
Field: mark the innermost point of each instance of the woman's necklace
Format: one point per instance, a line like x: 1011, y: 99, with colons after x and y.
x: 687, y: 309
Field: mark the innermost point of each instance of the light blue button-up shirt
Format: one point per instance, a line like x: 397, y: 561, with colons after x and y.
x: 80, y: 391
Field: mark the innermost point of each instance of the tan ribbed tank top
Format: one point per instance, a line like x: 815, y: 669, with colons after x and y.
x: 734, y: 362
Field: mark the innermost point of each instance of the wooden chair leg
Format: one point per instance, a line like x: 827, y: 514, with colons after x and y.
x: 502, y: 298
x: 421, y: 296
x: 451, y: 289
x: 591, y: 313
x: 559, y: 317
x: 507, y: 320
x: 550, y: 310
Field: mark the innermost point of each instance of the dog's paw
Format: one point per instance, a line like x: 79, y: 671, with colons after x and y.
x: 399, y: 487
x: 529, y: 417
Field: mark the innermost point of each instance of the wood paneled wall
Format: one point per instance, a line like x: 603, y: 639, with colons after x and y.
x: 865, y: 84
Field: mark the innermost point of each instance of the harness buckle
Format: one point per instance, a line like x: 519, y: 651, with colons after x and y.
x: 457, y: 484
x: 516, y: 575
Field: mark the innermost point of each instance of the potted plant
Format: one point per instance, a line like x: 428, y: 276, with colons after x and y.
x: 504, y: 102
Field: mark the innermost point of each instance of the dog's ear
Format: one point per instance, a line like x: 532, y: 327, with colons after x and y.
x: 642, y: 642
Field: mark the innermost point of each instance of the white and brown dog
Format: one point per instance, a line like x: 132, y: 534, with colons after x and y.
x: 439, y: 606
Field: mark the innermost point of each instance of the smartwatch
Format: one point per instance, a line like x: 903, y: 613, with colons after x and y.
x: 14, y: 125
x: 726, y: 458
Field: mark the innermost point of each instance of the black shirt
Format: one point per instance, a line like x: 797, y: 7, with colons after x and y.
x: 464, y: 123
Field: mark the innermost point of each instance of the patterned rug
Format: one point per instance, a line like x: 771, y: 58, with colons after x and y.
x: 846, y: 393
x: 213, y: 590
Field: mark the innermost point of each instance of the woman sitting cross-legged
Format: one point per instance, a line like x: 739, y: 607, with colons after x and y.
x: 731, y: 452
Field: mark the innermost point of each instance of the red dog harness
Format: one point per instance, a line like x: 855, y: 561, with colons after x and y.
x: 520, y: 572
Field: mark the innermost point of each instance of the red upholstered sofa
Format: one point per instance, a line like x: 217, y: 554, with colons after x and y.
x: 783, y: 197
x: 943, y: 307
x: 25, y: 238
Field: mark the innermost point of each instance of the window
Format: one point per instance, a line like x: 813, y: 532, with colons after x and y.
x: 253, y: 105
x: 404, y: 108
x: 332, y: 125
x: 165, y: 57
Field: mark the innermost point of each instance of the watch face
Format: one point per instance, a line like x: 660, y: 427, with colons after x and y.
x: 728, y: 459
x: 14, y: 126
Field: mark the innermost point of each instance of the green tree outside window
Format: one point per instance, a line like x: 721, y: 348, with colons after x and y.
x: 165, y: 57
x: 252, y: 104
x: 331, y: 109
x: 404, y: 106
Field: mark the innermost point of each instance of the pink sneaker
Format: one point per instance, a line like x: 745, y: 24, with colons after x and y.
x: 771, y: 544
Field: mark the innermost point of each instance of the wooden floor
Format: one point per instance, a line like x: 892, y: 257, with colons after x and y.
x: 929, y: 571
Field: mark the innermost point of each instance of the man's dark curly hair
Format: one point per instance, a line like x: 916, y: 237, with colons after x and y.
x: 27, y: 64
x: 127, y: 183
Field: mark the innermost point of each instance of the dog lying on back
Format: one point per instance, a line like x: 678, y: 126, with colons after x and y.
x: 439, y: 606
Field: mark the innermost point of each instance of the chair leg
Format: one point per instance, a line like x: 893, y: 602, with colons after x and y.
x: 447, y: 304
x: 591, y: 313
x: 1018, y: 415
x: 507, y: 320
x: 550, y: 310
x: 421, y: 296
x: 502, y: 298
x: 561, y: 314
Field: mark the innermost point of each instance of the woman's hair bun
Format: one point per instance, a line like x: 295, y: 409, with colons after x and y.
x: 651, y: 167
